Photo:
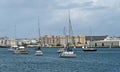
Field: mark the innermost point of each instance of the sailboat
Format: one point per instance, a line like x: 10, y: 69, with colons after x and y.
x: 21, y: 50
x: 16, y: 49
x: 15, y: 46
x: 68, y: 52
x: 62, y: 49
x: 90, y: 48
x: 38, y: 51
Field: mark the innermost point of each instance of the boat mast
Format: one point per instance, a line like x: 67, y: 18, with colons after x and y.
x: 39, y: 32
x: 64, y: 33
x: 70, y: 29
x: 15, y: 34
x: 90, y: 37
x: 15, y: 31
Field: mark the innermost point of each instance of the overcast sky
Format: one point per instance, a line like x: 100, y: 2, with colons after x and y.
x: 102, y: 16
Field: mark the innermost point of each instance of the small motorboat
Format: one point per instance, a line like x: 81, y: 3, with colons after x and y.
x: 38, y: 53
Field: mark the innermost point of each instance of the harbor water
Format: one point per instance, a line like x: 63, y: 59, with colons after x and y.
x: 102, y: 60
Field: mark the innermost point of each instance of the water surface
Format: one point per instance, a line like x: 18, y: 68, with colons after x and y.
x: 103, y: 60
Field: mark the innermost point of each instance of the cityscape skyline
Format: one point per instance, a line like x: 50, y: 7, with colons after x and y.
x: 101, y: 15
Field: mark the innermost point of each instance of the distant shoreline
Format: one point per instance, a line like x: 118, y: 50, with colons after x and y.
x: 57, y: 47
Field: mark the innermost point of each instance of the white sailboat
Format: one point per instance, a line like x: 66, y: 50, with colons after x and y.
x: 21, y: 50
x: 15, y: 46
x: 16, y: 49
x: 68, y: 52
x: 63, y: 49
x: 38, y: 51
x: 90, y: 48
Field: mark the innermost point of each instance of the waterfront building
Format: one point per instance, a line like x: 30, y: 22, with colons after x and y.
x: 47, y: 40
x: 80, y: 40
x: 11, y: 42
x: 4, y: 41
x: 91, y: 39
x: 107, y: 42
x: 61, y: 40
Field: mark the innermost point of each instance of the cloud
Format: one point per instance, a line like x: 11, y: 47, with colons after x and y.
x: 99, y: 14
x: 95, y: 8
x: 74, y: 4
x: 11, y: 2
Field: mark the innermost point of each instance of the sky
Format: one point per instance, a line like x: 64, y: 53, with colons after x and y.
x: 101, y: 16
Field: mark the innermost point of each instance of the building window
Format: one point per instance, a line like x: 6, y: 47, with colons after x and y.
x: 102, y: 44
x: 95, y: 44
x: 85, y: 42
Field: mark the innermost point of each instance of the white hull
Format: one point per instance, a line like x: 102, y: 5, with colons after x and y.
x: 89, y: 49
x: 39, y: 53
x: 67, y: 54
x: 21, y: 52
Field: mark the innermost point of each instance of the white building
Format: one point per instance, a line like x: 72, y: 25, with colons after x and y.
x: 107, y: 42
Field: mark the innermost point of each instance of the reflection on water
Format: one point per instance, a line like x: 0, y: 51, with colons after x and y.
x: 104, y: 60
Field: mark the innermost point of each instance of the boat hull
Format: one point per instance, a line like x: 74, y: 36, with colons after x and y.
x: 67, y: 55
x: 21, y: 52
x: 89, y: 49
x: 39, y: 53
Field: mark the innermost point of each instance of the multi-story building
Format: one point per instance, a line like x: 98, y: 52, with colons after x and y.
x: 74, y: 40
x: 47, y: 40
x: 80, y: 40
x: 4, y: 41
